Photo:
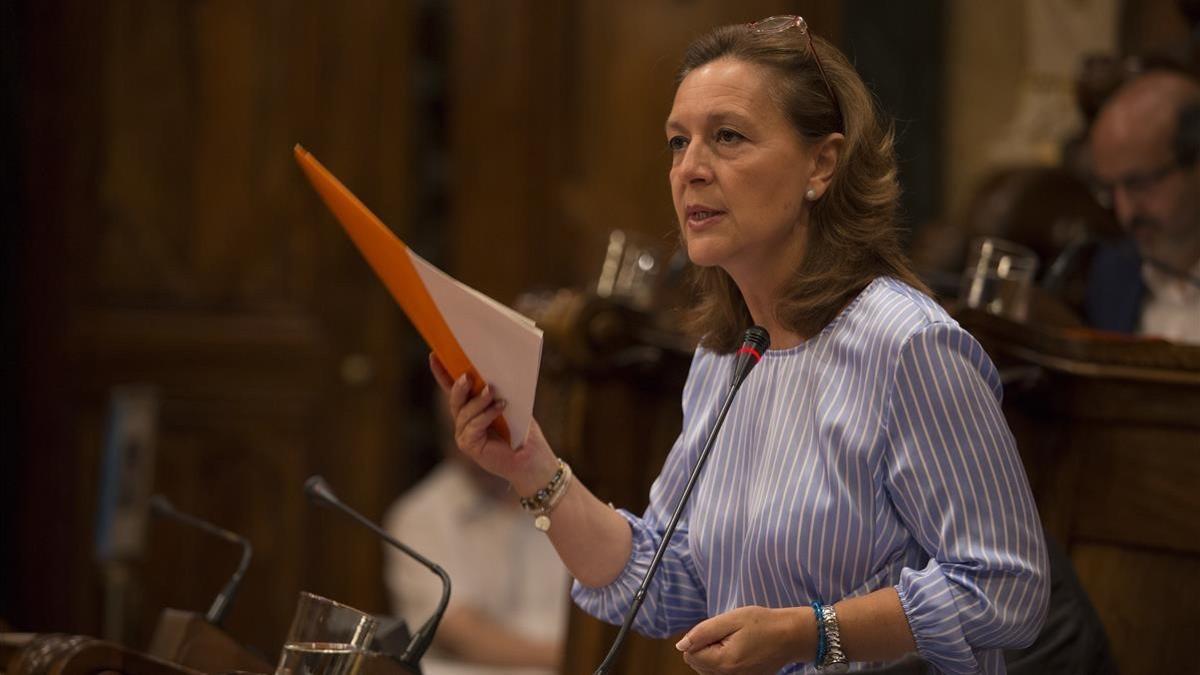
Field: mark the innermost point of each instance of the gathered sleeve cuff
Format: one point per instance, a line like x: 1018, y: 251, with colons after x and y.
x: 675, y: 600
x: 932, y: 615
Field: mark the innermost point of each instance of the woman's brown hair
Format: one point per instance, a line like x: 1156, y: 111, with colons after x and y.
x: 853, y: 237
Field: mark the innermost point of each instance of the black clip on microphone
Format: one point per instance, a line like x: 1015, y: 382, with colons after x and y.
x: 319, y: 491
x: 755, y: 342
x: 161, y: 506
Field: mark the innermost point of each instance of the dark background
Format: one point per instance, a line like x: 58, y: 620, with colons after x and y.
x: 156, y: 231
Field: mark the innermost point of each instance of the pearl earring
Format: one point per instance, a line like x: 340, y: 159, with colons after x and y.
x: 811, y: 195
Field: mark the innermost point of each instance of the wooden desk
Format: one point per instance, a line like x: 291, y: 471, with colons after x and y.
x: 1109, y: 430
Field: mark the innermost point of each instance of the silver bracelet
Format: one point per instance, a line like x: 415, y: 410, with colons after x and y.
x: 835, y: 659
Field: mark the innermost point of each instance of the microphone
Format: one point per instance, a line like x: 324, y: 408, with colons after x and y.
x: 1065, y: 262
x: 319, y: 492
x: 161, y: 506
x: 755, y: 343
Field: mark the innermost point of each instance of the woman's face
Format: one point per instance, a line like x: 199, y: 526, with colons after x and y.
x: 739, y: 172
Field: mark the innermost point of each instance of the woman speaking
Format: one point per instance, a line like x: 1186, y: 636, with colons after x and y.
x: 865, y: 499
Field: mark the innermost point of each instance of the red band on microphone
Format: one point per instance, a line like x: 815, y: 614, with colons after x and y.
x: 752, y: 351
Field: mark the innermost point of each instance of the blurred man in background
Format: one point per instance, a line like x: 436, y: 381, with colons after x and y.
x: 1145, y: 143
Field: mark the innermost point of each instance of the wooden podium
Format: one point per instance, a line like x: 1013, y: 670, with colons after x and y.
x: 59, y: 654
x: 183, y: 644
x: 187, y: 639
x: 1109, y: 430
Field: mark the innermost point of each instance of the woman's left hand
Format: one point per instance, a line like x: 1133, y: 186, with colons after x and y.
x: 750, y: 640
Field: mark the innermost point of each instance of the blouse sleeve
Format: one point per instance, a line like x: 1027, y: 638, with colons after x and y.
x: 956, y: 480
x: 676, y: 599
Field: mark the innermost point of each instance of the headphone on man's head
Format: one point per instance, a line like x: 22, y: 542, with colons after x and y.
x: 1187, y: 135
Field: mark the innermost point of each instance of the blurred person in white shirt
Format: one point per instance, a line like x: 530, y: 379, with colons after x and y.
x: 507, y: 613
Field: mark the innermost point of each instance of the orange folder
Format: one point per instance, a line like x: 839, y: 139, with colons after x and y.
x: 390, y: 259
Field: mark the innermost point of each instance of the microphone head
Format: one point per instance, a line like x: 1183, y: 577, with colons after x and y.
x: 755, y: 342
x: 160, y: 505
x: 318, y: 490
x: 757, y: 337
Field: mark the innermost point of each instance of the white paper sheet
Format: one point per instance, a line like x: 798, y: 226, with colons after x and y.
x: 503, y: 345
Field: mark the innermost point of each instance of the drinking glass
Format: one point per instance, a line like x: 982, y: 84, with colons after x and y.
x: 326, y: 638
x: 999, y: 278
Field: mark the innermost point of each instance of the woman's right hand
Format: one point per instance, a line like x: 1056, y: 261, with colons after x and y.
x: 527, y: 468
x: 593, y: 540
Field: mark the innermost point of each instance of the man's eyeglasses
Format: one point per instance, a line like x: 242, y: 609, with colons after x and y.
x: 1135, y: 184
x: 778, y: 24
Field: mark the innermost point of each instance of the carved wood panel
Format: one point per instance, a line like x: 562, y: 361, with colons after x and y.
x: 176, y: 244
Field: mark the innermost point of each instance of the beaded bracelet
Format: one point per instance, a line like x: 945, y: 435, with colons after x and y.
x: 816, y: 607
x: 539, y: 498
x: 544, y: 500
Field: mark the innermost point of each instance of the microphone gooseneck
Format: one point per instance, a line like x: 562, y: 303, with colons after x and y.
x: 755, y: 343
x: 318, y: 491
x: 161, y: 506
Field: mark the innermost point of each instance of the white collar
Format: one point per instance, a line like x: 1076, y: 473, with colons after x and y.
x: 1165, y: 285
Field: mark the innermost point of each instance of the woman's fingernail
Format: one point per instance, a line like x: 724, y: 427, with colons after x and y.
x: 501, y: 403
x: 684, y: 644
x: 462, y: 379
x: 487, y: 390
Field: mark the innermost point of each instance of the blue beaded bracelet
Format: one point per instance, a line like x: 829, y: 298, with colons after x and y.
x: 816, y: 606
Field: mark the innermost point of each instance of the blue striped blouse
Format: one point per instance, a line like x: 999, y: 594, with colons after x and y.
x: 875, y: 453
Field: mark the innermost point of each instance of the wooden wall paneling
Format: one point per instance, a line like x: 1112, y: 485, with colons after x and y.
x: 367, y: 136
x: 1140, y: 498
x: 59, y: 149
x: 178, y: 245
x: 1121, y: 583
x: 234, y: 418
x: 506, y: 72
x: 11, y: 263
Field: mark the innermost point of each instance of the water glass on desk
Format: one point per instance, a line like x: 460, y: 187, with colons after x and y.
x: 326, y: 638
x: 999, y: 278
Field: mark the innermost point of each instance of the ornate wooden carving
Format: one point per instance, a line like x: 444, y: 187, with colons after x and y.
x: 617, y: 384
